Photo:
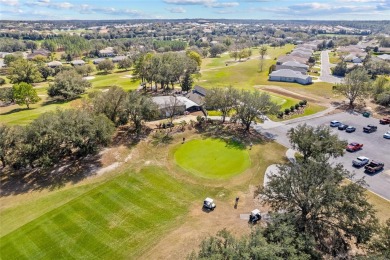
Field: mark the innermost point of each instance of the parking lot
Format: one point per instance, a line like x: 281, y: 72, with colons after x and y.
x: 375, y: 146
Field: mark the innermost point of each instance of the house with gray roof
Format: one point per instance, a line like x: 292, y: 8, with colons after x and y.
x: 98, y: 60
x: 385, y: 57
x: 77, y: 62
x: 301, y: 54
x: 293, y: 65
x: 287, y: 75
x: 54, y: 64
x: 197, y: 95
x: 286, y: 58
x: 107, y: 52
x: 119, y: 58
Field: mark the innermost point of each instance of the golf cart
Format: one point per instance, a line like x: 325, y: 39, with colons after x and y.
x: 209, y: 204
x: 254, y: 216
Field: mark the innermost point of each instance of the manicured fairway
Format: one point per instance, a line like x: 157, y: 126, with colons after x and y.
x: 212, y: 158
x: 115, y: 220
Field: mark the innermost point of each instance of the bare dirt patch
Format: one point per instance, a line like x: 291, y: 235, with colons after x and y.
x: 200, y: 224
x: 287, y: 93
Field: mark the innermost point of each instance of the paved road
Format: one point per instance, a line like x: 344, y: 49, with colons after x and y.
x: 375, y: 146
x: 325, y: 69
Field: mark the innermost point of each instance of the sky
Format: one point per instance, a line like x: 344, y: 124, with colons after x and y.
x: 176, y: 9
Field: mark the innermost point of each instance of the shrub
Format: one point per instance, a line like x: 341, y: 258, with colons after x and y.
x: 287, y: 111
x: 297, y: 106
x: 301, y: 103
x: 280, y: 114
x: 2, y: 81
x: 292, y: 108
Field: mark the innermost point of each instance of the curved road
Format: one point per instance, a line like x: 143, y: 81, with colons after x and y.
x: 325, y: 69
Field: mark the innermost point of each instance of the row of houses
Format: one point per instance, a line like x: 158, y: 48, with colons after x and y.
x: 293, y: 67
x: 54, y: 64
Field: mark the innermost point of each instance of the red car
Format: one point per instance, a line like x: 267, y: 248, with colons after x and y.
x: 385, y: 121
x: 353, y: 147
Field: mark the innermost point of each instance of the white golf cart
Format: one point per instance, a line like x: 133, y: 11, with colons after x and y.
x: 209, y: 204
x: 254, y: 216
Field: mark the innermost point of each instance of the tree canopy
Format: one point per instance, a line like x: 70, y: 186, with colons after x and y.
x: 24, y: 94
x: 67, y: 85
x: 22, y: 70
x: 316, y: 142
x: 355, y: 86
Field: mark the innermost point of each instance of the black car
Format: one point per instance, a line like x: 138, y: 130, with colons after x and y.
x: 342, y: 127
x: 370, y: 128
x: 350, y: 129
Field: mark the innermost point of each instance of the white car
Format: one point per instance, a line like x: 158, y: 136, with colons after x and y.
x: 387, y: 135
x: 360, y: 161
x: 335, y: 123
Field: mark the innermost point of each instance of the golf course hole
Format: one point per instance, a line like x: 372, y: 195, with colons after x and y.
x: 212, y: 158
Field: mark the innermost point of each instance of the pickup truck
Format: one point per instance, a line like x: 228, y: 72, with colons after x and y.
x: 385, y: 121
x: 353, y: 147
x: 360, y: 161
x: 370, y: 128
x: 374, y: 167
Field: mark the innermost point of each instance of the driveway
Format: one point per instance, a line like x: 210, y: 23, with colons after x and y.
x: 375, y: 146
x: 325, y: 69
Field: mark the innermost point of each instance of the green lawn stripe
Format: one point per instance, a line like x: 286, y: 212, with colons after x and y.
x: 63, y: 240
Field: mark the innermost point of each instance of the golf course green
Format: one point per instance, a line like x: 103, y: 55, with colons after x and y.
x: 212, y: 158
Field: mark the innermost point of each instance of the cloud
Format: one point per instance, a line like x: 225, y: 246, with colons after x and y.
x: 190, y: 2
x: 224, y: 5
x: 206, y: 3
x: 49, y: 4
x: 176, y: 10
x: 10, y: 2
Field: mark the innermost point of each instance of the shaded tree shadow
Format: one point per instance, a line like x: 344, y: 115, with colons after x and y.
x: 67, y: 171
x: 57, y: 101
x: 16, y: 110
x: 233, y: 134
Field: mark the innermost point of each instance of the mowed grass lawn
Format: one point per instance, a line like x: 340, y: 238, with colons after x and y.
x: 212, y: 158
x: 245, y: 74
x: 118, y: 219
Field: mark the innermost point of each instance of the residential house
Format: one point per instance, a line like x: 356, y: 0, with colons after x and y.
x: 353, y: 58
x: 119, y: 58
x: 197, y: 95
x: 168, y: 105
x: 295, y: 66
x: 287, y: 75
x: 286, y: 58
x: 301, y: 54
x: 40, y: 52
x: 98, y: 60
x: 77, y: 62
x: 175, y: 104
x: 54, y: 64
x: 107, y: 52
x: 385, y: 57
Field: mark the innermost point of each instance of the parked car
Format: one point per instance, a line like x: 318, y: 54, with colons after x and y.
x: 374, y: 167
x: 360, y: 161
x: 342, y: 127
x: 370, y: 128
x: 350, y: 129
x: 209, y: 204
x: 335, y: 123
x: 387, y: 135
x: 353, y: 147
x: 385, y: 121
